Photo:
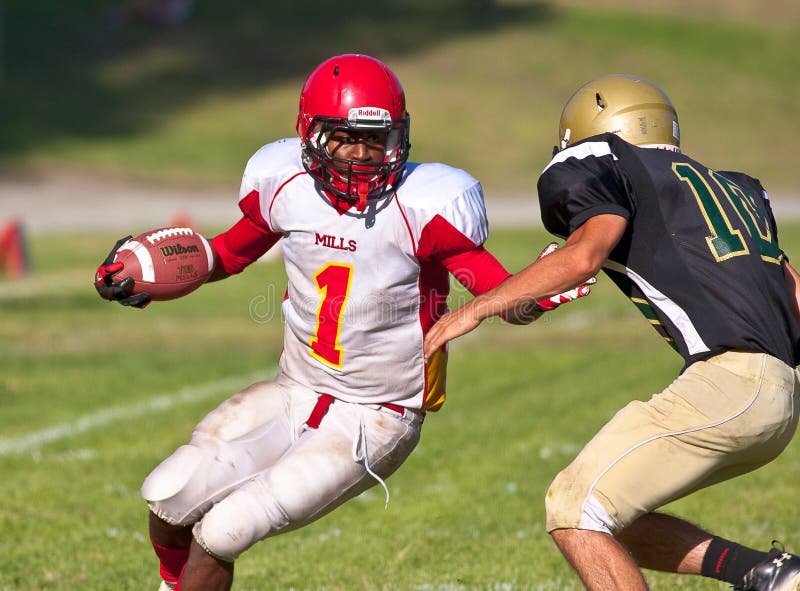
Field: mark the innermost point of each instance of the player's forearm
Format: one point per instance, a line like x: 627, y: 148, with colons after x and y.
x: 523, y: 315
x: 572, y: 265
x: 239, y: 246
x: 580, y: 259
x: 551, y: 275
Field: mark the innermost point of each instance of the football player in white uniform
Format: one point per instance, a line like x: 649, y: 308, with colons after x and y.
x: 368, y: 240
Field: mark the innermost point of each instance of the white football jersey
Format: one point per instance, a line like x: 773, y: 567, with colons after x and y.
x: 364, y: 286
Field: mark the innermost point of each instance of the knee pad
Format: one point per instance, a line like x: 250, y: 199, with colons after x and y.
x: 240, y: 520
x: 569, y: 506
x: 171, y: 475
x: 170, y: 480
x: 197, y: 475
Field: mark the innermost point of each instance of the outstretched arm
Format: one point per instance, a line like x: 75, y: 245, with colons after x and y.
x: 527, y: 313
x: 579, y: 259
x: 232, y: 250
x: 479, y: 271
x: 242, y: 244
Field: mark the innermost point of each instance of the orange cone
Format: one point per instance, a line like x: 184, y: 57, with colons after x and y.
x: 182, y: 219
x: 13, y: 250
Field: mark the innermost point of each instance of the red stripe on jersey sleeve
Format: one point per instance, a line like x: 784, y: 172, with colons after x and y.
x: 242, y: 244
x: 250, y: 205
x: 471, y: 264
x: 440, y: 239
x: 477, y: 270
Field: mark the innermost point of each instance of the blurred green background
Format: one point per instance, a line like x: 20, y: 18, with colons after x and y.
x: 87, y: 85
x: 104, y: 114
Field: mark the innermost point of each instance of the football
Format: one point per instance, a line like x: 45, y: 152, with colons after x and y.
x: 166, y: 263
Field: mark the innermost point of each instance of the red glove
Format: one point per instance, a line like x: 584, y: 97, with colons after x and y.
x: 555, y: 301
x: 119, y: 291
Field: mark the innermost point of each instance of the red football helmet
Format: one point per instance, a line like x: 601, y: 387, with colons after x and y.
x: 353, y: 92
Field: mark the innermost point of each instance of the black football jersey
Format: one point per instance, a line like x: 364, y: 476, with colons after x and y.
x: 700, y: 255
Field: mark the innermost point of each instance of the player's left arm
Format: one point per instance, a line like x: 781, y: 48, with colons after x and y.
x: 580, y: 258
x: 479, y: 271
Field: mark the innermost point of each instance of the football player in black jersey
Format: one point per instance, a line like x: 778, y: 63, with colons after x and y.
x: 696, y: 251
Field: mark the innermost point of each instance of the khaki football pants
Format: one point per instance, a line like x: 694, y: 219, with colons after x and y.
x: 721, y: 418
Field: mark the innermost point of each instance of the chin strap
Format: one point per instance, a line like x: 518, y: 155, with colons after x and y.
x: 363, y: 191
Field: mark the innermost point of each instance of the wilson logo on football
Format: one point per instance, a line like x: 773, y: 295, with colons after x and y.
x: 173, y: 250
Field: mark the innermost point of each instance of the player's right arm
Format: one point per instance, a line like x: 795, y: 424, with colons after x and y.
x: 239, y: 246
x: 577, y: 261
x: 233, y: 250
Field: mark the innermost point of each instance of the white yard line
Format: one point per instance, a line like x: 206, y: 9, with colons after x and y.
x: 114, y: 414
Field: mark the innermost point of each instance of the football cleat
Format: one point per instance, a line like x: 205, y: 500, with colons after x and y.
x: 166, y: 586
x: 780, y: 571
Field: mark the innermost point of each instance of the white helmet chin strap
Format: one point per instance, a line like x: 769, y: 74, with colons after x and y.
x: 565, y: 139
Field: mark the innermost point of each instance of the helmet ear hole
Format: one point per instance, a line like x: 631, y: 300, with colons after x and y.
x: 599, y: 100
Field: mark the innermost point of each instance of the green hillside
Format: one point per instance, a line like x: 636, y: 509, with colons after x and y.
x: 485, y: 80
x: 94, y: 395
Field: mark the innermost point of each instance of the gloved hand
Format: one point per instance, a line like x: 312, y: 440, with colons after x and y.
x: 119, y: 291
x: 555, y: 301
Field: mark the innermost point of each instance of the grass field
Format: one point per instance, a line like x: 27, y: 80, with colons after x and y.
x: 93, y: 395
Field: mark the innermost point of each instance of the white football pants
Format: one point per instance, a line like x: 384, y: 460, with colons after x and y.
x: 254, y: 469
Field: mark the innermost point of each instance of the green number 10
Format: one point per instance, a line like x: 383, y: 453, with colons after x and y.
x: 726, y: 241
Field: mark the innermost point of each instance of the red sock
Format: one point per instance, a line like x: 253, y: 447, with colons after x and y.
x: 173, y: 560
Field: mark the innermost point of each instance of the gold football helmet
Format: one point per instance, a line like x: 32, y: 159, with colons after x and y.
x: 633, y: 108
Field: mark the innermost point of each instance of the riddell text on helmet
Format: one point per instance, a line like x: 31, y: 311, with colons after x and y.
x: 374, y: 113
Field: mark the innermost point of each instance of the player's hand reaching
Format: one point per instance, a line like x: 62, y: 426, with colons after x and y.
x: 452, y: 325
x: 527, y: 313
x: 498, y: 302
x: 119, y: 291
x: 555, y: 301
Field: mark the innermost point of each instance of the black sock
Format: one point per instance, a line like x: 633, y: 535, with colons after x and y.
x: 728, y: 561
